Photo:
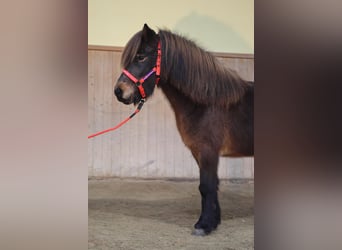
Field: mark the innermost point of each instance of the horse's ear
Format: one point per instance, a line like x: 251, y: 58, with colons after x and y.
x: 147, y: 33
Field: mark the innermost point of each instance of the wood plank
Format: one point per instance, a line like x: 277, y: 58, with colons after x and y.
x: 106, y: 103
x: 91, y: 112
x: 98, y: 113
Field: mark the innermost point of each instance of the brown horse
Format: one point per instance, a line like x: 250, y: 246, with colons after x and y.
x: 213, y: 106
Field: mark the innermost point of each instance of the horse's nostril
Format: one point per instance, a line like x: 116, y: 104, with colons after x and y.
x: 118, y: 92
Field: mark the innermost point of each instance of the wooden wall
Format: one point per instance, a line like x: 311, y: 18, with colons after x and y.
x: 149, y: 145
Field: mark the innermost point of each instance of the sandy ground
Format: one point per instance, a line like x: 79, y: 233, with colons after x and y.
x: 159, y: 214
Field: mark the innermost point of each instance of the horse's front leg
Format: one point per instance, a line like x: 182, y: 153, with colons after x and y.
x: 210, y: 217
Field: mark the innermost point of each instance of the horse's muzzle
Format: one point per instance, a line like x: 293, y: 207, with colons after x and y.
x: 124, y: 93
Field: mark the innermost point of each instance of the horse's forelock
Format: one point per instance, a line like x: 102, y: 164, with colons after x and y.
x: 131, y: 49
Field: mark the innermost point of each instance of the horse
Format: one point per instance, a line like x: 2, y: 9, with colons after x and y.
x: 213, y: 105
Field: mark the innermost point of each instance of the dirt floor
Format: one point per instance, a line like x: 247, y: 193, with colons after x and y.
x: 159, y: 214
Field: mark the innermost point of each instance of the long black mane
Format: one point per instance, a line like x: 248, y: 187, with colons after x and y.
x: 193, y: 71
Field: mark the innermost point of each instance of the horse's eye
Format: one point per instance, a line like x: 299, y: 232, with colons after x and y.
x: 141, y: 58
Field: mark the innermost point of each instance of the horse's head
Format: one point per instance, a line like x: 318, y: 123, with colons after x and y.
x: 140, y: 73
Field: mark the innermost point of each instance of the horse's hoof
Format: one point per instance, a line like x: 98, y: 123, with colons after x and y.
x: 199, y: 232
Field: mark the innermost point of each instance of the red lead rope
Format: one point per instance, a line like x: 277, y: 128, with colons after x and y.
x: 142, y: 101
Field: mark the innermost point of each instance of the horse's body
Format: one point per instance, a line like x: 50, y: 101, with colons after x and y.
x: 213, y: 106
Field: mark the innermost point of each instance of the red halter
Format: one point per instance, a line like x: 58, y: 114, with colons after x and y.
x: 139, y: 83
x: 156, y: 69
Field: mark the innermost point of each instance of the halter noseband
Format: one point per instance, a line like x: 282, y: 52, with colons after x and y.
x: 139, y: 83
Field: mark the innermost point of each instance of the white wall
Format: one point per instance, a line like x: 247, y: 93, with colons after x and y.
x: 218, y: 25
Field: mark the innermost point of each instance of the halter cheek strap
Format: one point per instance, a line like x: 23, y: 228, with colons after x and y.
x: 158, y: 63
x: 140, y: 82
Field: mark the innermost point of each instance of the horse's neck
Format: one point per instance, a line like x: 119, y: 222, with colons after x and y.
x: 179, y: 102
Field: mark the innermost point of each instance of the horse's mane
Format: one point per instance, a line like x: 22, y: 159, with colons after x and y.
x: 193, y: 71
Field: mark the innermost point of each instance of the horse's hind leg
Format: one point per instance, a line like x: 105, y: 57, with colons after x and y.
x: 210, y: 217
